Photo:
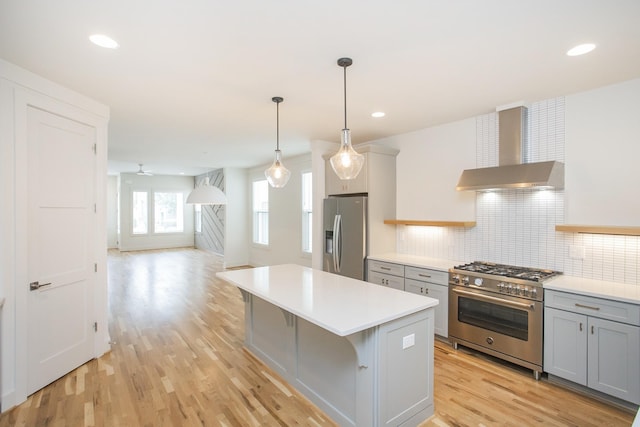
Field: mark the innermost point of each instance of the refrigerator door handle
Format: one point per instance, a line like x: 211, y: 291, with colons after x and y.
x: 337, y: 231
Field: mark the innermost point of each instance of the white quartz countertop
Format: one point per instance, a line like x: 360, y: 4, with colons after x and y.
x: 338, y: 304
x: 596, y: 288
x: 417, y: 261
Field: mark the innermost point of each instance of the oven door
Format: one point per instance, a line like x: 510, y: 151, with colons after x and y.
x: 504, y: 324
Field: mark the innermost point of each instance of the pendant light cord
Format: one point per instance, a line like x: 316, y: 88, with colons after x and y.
x: 277, y: 125
x: 345, y: 97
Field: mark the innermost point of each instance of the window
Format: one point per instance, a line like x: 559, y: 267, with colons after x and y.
x: 168, y: 212
x: 198, y: 218
x: 163, y: 209
x: 307, y: 212
x: 140, y: 212
x: 261, y: 212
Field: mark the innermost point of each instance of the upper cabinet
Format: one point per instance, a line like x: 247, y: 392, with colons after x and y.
x: 378, y: 172
x: 336, y: 186
x: 602, y: 151
x: 378, y: 179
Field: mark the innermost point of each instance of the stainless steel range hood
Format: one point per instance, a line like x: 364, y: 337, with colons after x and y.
x: 512, y: 173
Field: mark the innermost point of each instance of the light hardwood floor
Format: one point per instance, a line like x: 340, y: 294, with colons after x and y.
x: 177, y: 360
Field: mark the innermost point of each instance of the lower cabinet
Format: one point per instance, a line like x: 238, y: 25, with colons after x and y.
x: 421, y: 281
x: 583, y: 345
x: 434, y: 284
x: 386, y: 274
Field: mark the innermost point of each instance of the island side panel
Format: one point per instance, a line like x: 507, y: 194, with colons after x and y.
x: 327, y: 372
x: 406, y: 370
x: 270, y: 335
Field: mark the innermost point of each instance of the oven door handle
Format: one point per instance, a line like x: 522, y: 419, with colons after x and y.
x: 495, y: 299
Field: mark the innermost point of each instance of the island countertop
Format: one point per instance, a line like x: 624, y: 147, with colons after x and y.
x: 338, y: 304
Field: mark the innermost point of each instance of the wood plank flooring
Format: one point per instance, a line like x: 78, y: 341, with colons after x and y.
x: 177, y: 360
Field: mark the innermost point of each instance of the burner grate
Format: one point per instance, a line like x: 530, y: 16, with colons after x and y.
x: 524, y: 273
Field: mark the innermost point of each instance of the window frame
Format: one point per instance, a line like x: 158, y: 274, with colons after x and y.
x: 150, y: 214
x: 259, y: 216
x: 180, y: 204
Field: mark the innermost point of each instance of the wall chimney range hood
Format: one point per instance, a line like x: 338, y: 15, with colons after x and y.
x: 511, y: 172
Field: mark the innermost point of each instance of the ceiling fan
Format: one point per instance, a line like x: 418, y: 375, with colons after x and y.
x: 143, y: 172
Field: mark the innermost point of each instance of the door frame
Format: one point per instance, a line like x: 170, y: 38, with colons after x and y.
x: 20, y: 89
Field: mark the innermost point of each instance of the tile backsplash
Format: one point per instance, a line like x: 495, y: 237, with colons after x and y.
x: 518, y: 226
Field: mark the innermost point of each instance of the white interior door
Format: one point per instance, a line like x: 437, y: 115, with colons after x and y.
x: 61, y: 217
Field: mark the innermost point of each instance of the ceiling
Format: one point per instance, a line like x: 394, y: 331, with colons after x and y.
x: 190, y: 86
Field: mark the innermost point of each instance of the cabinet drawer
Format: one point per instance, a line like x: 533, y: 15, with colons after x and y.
x: 596, y: 307
x: 427, y: 275
x: 386, y: 267
x: 386, y: 280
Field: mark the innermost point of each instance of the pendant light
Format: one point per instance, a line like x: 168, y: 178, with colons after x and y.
x: 346, y: 163
x: 206, y: 194
x: 277, y: 174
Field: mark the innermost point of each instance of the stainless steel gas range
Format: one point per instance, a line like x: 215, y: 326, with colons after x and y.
x: 498, y: 309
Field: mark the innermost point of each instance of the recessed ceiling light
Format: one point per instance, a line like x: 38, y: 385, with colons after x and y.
x: 581, y: 49
x: 377, y: 114
x: 103, y: 41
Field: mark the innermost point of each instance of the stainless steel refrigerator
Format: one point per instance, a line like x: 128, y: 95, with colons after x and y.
x: 345, y: 236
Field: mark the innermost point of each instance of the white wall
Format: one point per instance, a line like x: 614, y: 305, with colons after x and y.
x: 130, y: 182
x: 112, y: 212
x: 237, y: 234
x: 428, y: 168
x: 285, y: 217
x: 603, y: 156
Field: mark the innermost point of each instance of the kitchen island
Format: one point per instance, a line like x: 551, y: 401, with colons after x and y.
x: 362, y: 353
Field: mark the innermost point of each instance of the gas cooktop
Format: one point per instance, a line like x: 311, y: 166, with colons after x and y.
x: 523, y: 273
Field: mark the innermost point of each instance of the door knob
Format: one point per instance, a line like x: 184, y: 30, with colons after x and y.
x: 36, y: 285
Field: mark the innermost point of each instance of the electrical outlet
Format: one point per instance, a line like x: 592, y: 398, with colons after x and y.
x: 408, y: 341
x: 576, y: 252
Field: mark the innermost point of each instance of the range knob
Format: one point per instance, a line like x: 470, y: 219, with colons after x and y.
x: 518, y: 290
x: 525, y: 291
x: 509, y: 288
x: 500, y: 287
x: 534, y: 292
x: 465, y: 280
x: 456, y: 278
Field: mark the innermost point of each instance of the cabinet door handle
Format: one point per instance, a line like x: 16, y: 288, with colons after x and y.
x: 580, y: 326
x: 591, y: 329
x: 385, y: 268
x: 587, y: 306
x: 424, y: 275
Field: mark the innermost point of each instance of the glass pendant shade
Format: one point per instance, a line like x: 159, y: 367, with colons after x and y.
x: 206, y: 195
x: 347, y: 163
x: 277, y: 174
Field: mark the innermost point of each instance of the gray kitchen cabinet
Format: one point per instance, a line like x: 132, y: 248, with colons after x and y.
x: 593, y: 342
x: 386, y: 274
x: 421, y: 281
x: 434, y: 284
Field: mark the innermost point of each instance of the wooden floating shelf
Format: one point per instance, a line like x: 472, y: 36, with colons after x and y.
x: 465, y: 224
x: 600, y: 229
